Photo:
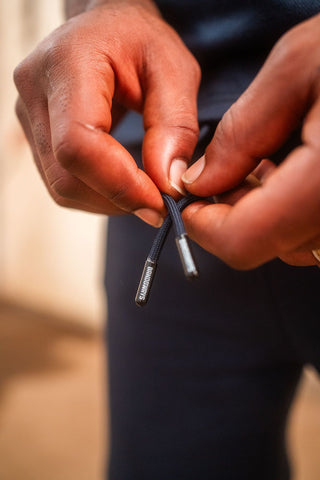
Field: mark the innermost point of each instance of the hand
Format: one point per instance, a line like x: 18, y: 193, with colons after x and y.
x: 282, y: 216
x: 76, y: 85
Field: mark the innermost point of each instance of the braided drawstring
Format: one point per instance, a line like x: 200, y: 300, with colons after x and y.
x: 150, y: 266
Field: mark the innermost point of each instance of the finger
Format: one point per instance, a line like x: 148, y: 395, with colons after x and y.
x: 67, y: 191
x: 79, y: 109
x: 304, y: 255
x: 264, y: 169
x: 310, y: 131
x: 270, y: 221
x: 170, y: 119
x: 253, y: 180
x: 300, y: 259
x: 23, y: 118
x: 262, y: 119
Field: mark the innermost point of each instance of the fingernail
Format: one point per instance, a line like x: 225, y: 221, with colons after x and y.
x: 149, y: 216
x: 177, y: 169
x: 194, y: 171
x: 253, y: 180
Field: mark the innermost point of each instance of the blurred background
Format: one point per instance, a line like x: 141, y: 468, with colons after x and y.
x: 53, y: 390
x: 53, y: 406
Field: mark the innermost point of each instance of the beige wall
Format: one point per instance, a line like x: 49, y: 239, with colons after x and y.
x: 50, y: 258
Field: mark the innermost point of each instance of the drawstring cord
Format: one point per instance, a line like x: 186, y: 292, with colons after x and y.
x: 174, y: 217
x: 150, y: 266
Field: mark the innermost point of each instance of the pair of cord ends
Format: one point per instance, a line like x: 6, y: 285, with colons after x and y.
x: 150, y: 268
x: 186, y: 257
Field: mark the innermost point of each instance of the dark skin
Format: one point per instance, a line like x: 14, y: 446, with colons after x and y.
x: 116, y: 55
x: 78, y: 83
x: 281, y: 218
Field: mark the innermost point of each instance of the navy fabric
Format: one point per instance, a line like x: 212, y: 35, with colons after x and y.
x: 214, y: 29
x: 202, y: 378
x: 230, y: 39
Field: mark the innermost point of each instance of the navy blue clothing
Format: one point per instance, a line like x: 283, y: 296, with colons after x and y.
x: 216, y: 29
x: 230, y: 39
x: 202, y: 378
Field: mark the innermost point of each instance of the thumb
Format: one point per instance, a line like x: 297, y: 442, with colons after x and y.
x: 170, y: 121
x: 260, y: 121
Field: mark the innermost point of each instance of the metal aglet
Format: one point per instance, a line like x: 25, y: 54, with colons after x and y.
x: 145, y: 284
x: 188, y: 263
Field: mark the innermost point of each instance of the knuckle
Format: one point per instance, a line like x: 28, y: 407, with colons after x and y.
x: 61, y: 187
x: 64, y: 187
x: 68, y: 150
x: 227, y: 132
x: 19, y: 110
x: 119, y: 196
x: 185, y: 121
x: 189, y: 128
x: 196, y: 70
x: 22, y: 76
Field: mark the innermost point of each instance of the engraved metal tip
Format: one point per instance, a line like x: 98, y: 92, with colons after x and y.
x: 145, y: 284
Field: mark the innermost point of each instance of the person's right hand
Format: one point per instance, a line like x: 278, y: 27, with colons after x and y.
x: 114, y: 57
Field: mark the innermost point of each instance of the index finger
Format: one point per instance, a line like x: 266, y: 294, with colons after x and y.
x: 79, y: 103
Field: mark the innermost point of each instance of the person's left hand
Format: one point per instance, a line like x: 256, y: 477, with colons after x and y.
x: 280, y: 218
